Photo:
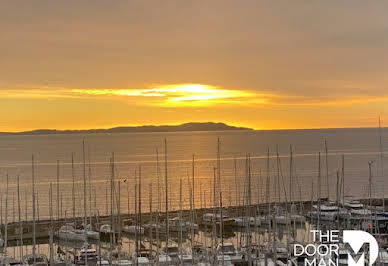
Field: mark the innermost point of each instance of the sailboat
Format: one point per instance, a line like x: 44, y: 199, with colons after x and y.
x: 87, y: 256
x: 87, y: 227
x: 136, y: 229
x: 67, y: 232
x: 34, y: 259
x: 4, y: 258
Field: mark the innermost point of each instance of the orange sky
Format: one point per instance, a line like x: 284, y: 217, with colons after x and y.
x: 261, y: 64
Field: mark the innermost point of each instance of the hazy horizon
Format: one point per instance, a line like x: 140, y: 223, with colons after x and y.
x: 162, y: 125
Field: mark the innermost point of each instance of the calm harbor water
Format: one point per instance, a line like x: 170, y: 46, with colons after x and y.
x: 359, y: 146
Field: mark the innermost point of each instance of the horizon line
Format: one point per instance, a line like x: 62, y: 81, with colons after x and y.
x: 238, y: 127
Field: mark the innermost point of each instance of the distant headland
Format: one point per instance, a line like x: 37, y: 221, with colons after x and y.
x: 193, y: 126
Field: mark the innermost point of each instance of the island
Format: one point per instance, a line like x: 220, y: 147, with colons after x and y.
x: 193, y: 126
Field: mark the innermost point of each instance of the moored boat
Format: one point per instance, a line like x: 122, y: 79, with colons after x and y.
x: 210, y: 219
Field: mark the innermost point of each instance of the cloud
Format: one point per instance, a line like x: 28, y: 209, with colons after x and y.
x: 200, y: 95
x: 179, y: 95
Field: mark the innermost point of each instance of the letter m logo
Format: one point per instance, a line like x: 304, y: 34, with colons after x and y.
x: 356, y: 238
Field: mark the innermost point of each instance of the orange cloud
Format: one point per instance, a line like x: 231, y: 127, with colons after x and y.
x: 181, y: 95
x: 193, y: 95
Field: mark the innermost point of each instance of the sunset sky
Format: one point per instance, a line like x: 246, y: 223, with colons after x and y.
x: 261, y: 64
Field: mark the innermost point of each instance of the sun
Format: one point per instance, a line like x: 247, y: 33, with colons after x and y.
x: 198, y: 94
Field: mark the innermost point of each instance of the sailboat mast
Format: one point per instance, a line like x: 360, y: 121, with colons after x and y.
x: 1, y: 211
x: 219, y: 164
x: 20, y: 218
x: 327, y: 171
x: 113, y: 195
x: 278, y: 173
x: 191, y: 212
x: 166, y: 181
x: 158, y: 177
x: 6, y: 218
x: 291, y: 175
x: 221, y: 227
x: 159, y: 209
x: 151, y: 216
x: 338, y: 209
x: 249, y: 203
x: 319, y: 190
x: 214, y: 221
x: 90, y: 185
x: 33, y: 212
x: 73, y: 185
x: 267, y: 187
x: 136, y: 218
x: 118, y: 210
x: 51, y: 224
x: 382, y: 163
x: 58, y: 207
x: 343, y: 179
x: 193, y: 177
x: 237, y: 191
x: 25, y: 204
x: 84, y: 176
x: 140, y: 212
x: 370, y: 183
x: 180, y: 218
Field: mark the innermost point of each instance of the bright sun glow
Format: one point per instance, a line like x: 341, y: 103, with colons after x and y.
x: 177, y: 94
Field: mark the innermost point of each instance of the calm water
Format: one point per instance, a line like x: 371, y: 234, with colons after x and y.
x: 133, y: 150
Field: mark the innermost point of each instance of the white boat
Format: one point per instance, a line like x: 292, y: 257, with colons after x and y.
x: 243, y: 221
x: 89, y: 254
x: 256, y: 252
x: 153, y: 227
x: 40, y: 260
x: 342, y: 257
x: 133, y: 229
x: 383, y: 257
x: 356, y: 208
x: 60, y: 260
x: 103, y: 263
x: 106, y: 229
x: 164, y: 259
x: 210, y: 218
x: 328, y: 212
x: 9, y: 261
x: 225, y: 260
x: 229, y: 249
x: 123, y: 263
x: 185, y: 259
x: 141, y: 261
x: 293, y: 218
x: 90, y: 233
x: 283, y: 217
x: 172, y: 250
x: 2, y: 242
x: 68, y: 233
x: 263, y: 262
x: 176, y: 223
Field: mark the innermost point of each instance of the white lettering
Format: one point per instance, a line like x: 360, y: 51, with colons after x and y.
x: 300, y: 248
x: 311, y: 263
